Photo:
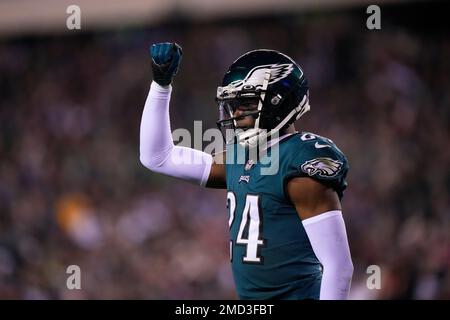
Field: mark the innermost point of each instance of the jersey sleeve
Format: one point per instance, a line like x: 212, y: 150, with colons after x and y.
x: 321, y: 160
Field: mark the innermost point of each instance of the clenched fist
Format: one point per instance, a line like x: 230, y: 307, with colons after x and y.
x: 166, y: 58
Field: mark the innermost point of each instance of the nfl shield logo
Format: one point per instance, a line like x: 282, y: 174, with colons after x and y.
x: 250, y: 163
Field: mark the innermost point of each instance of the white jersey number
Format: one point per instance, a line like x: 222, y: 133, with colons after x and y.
x: 250, y: 229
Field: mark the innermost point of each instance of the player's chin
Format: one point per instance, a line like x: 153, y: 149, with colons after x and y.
x: 245, y: 124
x: 243, y: 128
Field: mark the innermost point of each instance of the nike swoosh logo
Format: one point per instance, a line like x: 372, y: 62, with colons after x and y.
x: 320, y: 146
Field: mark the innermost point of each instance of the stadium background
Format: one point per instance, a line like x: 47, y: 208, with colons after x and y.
x: 72, y: 190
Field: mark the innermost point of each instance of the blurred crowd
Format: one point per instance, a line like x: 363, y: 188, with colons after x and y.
x: 73, y: 192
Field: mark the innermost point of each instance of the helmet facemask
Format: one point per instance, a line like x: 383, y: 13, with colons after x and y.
x: 229, y: 99
x: 228, y: 122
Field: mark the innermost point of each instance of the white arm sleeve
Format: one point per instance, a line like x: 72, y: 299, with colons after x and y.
x: 328, y: 238
x: 157, y: 151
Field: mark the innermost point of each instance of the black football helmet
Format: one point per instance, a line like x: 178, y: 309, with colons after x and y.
x: 272, y: 80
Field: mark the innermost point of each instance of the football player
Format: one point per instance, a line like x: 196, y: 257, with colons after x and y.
x: 287, y: 234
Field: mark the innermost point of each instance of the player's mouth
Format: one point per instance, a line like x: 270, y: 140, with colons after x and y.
x: 243, y: 121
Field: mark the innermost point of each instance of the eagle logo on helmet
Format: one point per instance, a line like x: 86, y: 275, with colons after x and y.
x: 324, y: 167
x: 255, y: 77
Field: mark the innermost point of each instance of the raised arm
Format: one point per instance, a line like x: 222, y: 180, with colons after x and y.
x: 157, y: 150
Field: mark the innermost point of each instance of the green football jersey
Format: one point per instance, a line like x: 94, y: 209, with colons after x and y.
x: 270, y: 252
